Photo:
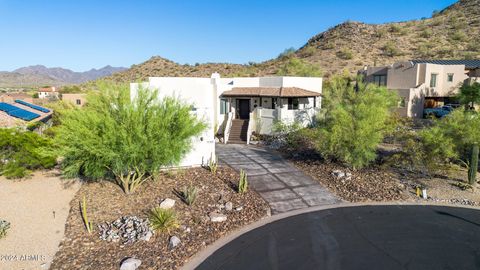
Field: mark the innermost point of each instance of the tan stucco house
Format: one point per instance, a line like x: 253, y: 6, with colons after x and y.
x: 76, y: 99
x: 424, y: 83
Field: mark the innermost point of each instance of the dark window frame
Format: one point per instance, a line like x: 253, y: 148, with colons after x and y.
x: 293, y: 103
x: 450, y: 77
x: 380, y: 80
x: 433, y: 79
x: 223, y: 106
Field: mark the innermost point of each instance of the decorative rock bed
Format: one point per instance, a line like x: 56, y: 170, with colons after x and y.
x: 128, y: 229
x: 124, y: 236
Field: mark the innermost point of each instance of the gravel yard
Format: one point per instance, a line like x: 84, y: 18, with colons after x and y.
x: 106, y: 203
x: 37, y: 209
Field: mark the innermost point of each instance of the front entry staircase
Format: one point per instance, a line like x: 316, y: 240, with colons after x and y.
x: 238, y: 131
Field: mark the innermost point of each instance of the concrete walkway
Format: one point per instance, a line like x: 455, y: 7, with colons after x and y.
x: 282, y: 185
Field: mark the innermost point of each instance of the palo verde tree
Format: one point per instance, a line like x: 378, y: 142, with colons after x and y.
x: 470, y: 94
x: 127, y: 141
x: 455, y: 137
x: 355, y: 120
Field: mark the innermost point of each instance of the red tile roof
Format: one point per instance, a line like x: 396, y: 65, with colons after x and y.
x: 270, y: 92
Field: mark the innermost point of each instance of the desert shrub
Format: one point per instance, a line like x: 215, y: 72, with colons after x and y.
x: 287, y: 53
x: 427, y: 33
x: 425, y: 51
x: 474, y: 45
x: 21, y: 152
x: 213, y: 165
x: 382, y: 32
x: 395, y: 28
x: 163, y: 220
x: 299, y: 67
x: 390, y: 49
x: 126, y: 141
x: 189, y: 195
x: 355, y: 122
x: 459, y: 36
x: 292, y: 136
x: 446, y: 52
x: 469, y: 55
x: 436, y: 21
x: 449, y: 141
x: 71, y: 89
x: 308, y: 51
x: 345, y: 54
x: 4, y: 227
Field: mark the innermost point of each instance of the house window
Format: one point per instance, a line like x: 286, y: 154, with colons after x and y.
x: 450, y: 77
x: 293, y: 103
x: 223, y: 106
x: 79, y: 102
x: 402, y: 103
x: 274, y: 103
x: 433, y: 80
x: 380, y: 80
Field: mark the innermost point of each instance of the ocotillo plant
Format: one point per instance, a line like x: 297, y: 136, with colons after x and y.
x: 88, y: 224
x: 472, y: 171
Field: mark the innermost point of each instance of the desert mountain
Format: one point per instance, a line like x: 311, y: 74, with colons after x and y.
x: 40, y: 75
x: 453, y: 33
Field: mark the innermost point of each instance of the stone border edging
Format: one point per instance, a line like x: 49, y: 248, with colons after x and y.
x: 197, y: 259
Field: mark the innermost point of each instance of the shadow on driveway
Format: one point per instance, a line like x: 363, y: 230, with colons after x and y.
x: 363, y: 237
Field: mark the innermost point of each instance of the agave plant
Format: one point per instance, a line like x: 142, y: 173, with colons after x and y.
x: 163, y: 220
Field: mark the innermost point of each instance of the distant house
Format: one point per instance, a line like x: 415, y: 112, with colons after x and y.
x: 238, y: 107
x: 424, y: 83
x: 11, y: 97
x: 48, y: 93
x: 76, y: 99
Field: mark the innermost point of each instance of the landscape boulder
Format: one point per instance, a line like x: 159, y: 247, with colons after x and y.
x: 217, y: 217
x: 130, y: 264
x: 167, y: 203
x: 173, y: 242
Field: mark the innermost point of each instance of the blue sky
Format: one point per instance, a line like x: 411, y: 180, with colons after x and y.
x: 91, y: 34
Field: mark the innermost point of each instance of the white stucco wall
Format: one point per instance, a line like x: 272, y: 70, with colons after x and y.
x: 205, y: 94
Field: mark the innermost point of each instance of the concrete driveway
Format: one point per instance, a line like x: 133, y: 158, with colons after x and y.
x: 282, y: 185
x: 362, y: 237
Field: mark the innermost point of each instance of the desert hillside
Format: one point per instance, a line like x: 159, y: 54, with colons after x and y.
x: 453, y: 33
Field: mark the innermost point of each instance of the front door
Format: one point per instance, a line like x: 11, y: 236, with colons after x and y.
x: 244, y: 108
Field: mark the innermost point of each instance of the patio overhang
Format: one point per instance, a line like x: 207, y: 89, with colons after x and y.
x: 269, y: 92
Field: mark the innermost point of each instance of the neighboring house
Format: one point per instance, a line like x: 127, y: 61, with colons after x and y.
x: 424, y: 83
x: 76, y: 99
x: 48, y: 92
x: 11, y: 97
x: 238, y: 107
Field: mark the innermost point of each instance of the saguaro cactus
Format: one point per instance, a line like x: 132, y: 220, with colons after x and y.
x: 472, y: 172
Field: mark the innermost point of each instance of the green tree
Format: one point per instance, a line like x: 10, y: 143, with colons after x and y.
x: 21, y: 152
x: 122, y: 140
x: 470, y: 94
x: 355, y: 121
x: 298, y: 67
x: 453, y: 138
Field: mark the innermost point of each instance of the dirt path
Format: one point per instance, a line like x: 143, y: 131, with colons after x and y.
x: 37, y: 209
